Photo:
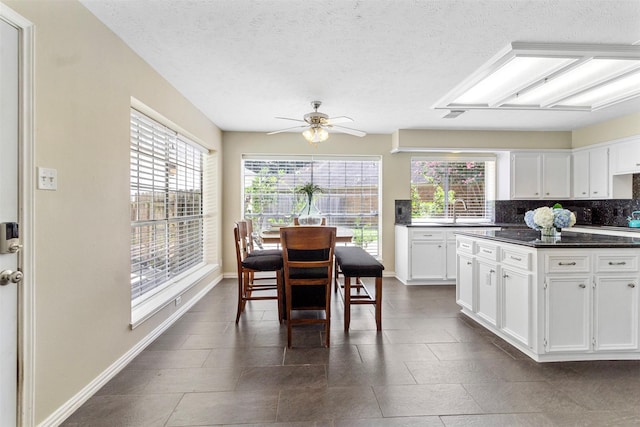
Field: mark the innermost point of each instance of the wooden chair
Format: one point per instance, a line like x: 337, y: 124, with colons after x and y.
x: 249, y: 265
x: 245, y: 228
x: 307, y: 253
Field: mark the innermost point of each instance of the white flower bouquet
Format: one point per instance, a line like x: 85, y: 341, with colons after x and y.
x: 546, y: 217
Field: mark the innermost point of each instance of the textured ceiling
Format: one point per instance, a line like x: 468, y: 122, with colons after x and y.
x: 382, y: 62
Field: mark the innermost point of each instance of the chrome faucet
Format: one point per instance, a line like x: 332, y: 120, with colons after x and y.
x: 455, y: 214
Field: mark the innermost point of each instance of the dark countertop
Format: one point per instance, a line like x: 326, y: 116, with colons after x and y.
x: 568, y: 239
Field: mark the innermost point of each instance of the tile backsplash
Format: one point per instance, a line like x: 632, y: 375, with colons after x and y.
x: 598, y: 212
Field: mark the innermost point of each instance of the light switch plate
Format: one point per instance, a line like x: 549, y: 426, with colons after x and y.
x: 47, y: 179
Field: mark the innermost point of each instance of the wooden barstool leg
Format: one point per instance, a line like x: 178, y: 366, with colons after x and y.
x: 347, y: 302
x: 379, y: 303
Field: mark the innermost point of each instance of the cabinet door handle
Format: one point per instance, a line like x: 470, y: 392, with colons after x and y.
x: 516, y: 258
x: 584, y: 192
x: 595, y: 192
x: 505, y: 276
x: 567, y: 263
x: 486, y: 251
x: 617, y: 263
x: 631, y: 285
x: 492, y: 271
x: 582, y: 285
x: 469, y: 263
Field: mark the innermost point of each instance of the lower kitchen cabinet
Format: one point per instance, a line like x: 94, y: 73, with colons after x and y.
x: 428, y: 259
x: 465, y: 279
x: 616, y: 313
x: 553, y: 304
x: 567, y: 307
x: 487, y: 291
x: 427, y: 255
x: 515, y: 288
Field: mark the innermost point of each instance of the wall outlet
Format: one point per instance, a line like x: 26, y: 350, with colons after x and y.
x: 179, y: 300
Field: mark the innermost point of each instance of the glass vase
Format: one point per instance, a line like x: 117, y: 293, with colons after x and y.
x: 310, y: 214
x: 550, y: 234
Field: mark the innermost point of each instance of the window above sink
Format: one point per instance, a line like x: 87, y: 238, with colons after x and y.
x: 447, y: 191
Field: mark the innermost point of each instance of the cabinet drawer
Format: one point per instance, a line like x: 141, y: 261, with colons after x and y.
x: 614, y: 263
x: 488, y: 251
x: 465, y: 246
x: 425, y: 234
x: 567, y: 263
x: 516, y: 258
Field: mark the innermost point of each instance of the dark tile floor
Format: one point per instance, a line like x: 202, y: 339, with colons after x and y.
x: 428, y: 367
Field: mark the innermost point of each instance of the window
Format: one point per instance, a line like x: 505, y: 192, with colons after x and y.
x: 438, y: 184
x: 166, y: 206
x: 351, y: 196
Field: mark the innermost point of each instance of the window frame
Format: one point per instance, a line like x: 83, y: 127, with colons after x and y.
x: 189, y: 272
x: 331, y: 217
x: 490, y: 185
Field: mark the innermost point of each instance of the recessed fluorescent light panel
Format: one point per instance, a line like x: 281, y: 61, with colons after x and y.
x: 535, y: 76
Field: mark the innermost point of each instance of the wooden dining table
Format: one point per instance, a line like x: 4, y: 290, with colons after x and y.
x: 343, y: 235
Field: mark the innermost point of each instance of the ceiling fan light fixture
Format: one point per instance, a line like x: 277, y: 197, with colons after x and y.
x: 315, y: 134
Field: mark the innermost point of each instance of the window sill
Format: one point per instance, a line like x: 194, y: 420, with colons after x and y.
x: 147, y: 309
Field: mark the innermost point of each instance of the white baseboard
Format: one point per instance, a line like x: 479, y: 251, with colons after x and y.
x: 72, y: 405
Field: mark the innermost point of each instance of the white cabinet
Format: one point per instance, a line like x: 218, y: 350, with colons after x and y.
x: 526, y: 174
x: 427, y: 255
x: 515, y: 286
x: 541, y: 175
x: 567, y: 314
x: 465, y: 279
x: 451, y: 272
x: 580, y: 174
x: 556, y: 175
x: 626, y: 156
x: 428, y: 259
x: 590, y: 169
x: 487, y: 291
x: 616, y: 313
x: 553, y: 304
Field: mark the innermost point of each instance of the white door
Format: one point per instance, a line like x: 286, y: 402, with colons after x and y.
x: 8, y: 213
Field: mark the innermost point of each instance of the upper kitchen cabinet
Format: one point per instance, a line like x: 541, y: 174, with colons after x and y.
x: 541, y: 175
x: 591, y: 173
x: 625, y: 156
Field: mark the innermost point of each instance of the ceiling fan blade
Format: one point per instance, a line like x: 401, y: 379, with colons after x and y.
x: 286, y: 129
x: 354, y: 132
x: 289, y: 118
x: 339, y: 119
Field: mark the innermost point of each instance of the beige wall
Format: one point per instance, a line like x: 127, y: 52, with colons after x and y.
x: 85, y: 77
x: 407, y: 139
x: 607, y: 131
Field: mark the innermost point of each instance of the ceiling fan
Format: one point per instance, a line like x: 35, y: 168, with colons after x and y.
x: 319, y: 124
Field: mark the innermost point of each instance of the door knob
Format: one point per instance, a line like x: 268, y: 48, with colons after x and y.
x: 8, y: 276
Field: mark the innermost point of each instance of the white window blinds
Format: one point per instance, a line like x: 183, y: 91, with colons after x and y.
x: 436, y: 183
x: 350, y: 197
x: 166, y: 206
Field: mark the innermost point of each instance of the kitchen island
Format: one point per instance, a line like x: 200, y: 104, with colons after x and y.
x: 561, y: 299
